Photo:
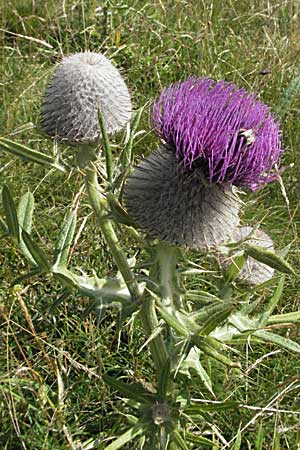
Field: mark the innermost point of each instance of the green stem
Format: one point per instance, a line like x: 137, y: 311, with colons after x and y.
x: 167, y: 274
x: 150, y: 324
x: 99, y: 205
x: 106, y: 148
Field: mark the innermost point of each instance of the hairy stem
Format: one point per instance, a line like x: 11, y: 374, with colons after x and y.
x: 99, y: 205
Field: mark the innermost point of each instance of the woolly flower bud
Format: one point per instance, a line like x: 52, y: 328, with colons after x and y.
x: 82, y: 85
x: 253, y: 272
x: 177, y: 205
x: 223, y: 129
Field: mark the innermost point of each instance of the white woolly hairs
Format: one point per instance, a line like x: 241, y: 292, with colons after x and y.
x: 176, y: 205
x: 83, y: 84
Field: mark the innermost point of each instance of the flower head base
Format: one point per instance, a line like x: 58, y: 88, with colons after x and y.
x: 177, y: 205
x: 220, y: 128
x: 84, y: 84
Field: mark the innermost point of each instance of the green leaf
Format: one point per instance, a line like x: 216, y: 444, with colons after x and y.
x: 216, y: 319
x: 195, y: 439
x: 10, y: 213
x: 134, y: 391
x: 267, y: 336
x: 172, y: 322
x: 65, y: 239
x: 29, y: 154
x: 259, y: 439
x: 128, y: 436
x: 284, y: 318
x: 26, y: 277
x: 192, y: 361
x: 202, y: 297
x: 235, y: 268
x: 269, y: 258
x: 25, y: 213
x: 179, y: 440
x: 198, y: 408
x: 203, y: 344
x: 3, y: 227
x: 206, y: 312
x: 37, y: 253
x: 273, y: 302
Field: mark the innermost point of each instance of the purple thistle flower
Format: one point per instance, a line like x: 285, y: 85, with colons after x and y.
x: 223, y: 129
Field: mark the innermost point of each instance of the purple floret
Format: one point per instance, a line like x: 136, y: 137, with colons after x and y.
x: 223, y: 129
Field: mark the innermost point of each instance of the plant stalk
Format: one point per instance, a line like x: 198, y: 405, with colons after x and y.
x: 99, y: 205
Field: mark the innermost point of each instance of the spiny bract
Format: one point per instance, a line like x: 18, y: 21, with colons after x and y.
x: 177, y: 205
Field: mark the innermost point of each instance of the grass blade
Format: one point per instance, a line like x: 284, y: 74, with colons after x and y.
x: 238, y: 441
x: 259, y: 439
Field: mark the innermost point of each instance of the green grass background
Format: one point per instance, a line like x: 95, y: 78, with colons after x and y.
x: 51, y: 390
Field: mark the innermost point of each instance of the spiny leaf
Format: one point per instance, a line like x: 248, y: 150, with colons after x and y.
x: 198, y: 440
x: 198, y: 408
x: 273, y: 302
x: 284, y: 318
x: 118, y: 212
x: 29, y: 154
x: 26, y: 276
x: 267, y: 336
x: 269, y: 258
x: 205, y: 346
x: 134, y: 391
x: 172, y: 322
x: 127, y: 154
x: 10, y: 212
x: 3, y: 227
x: 216, y: 319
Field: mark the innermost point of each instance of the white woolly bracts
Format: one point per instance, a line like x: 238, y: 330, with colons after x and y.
x: 177, y: 205
x: 82, y: 85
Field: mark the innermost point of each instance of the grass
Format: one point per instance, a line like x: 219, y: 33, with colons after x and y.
x: 51, y: 388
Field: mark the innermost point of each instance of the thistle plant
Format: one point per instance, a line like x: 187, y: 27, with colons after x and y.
x: 214, y: 139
